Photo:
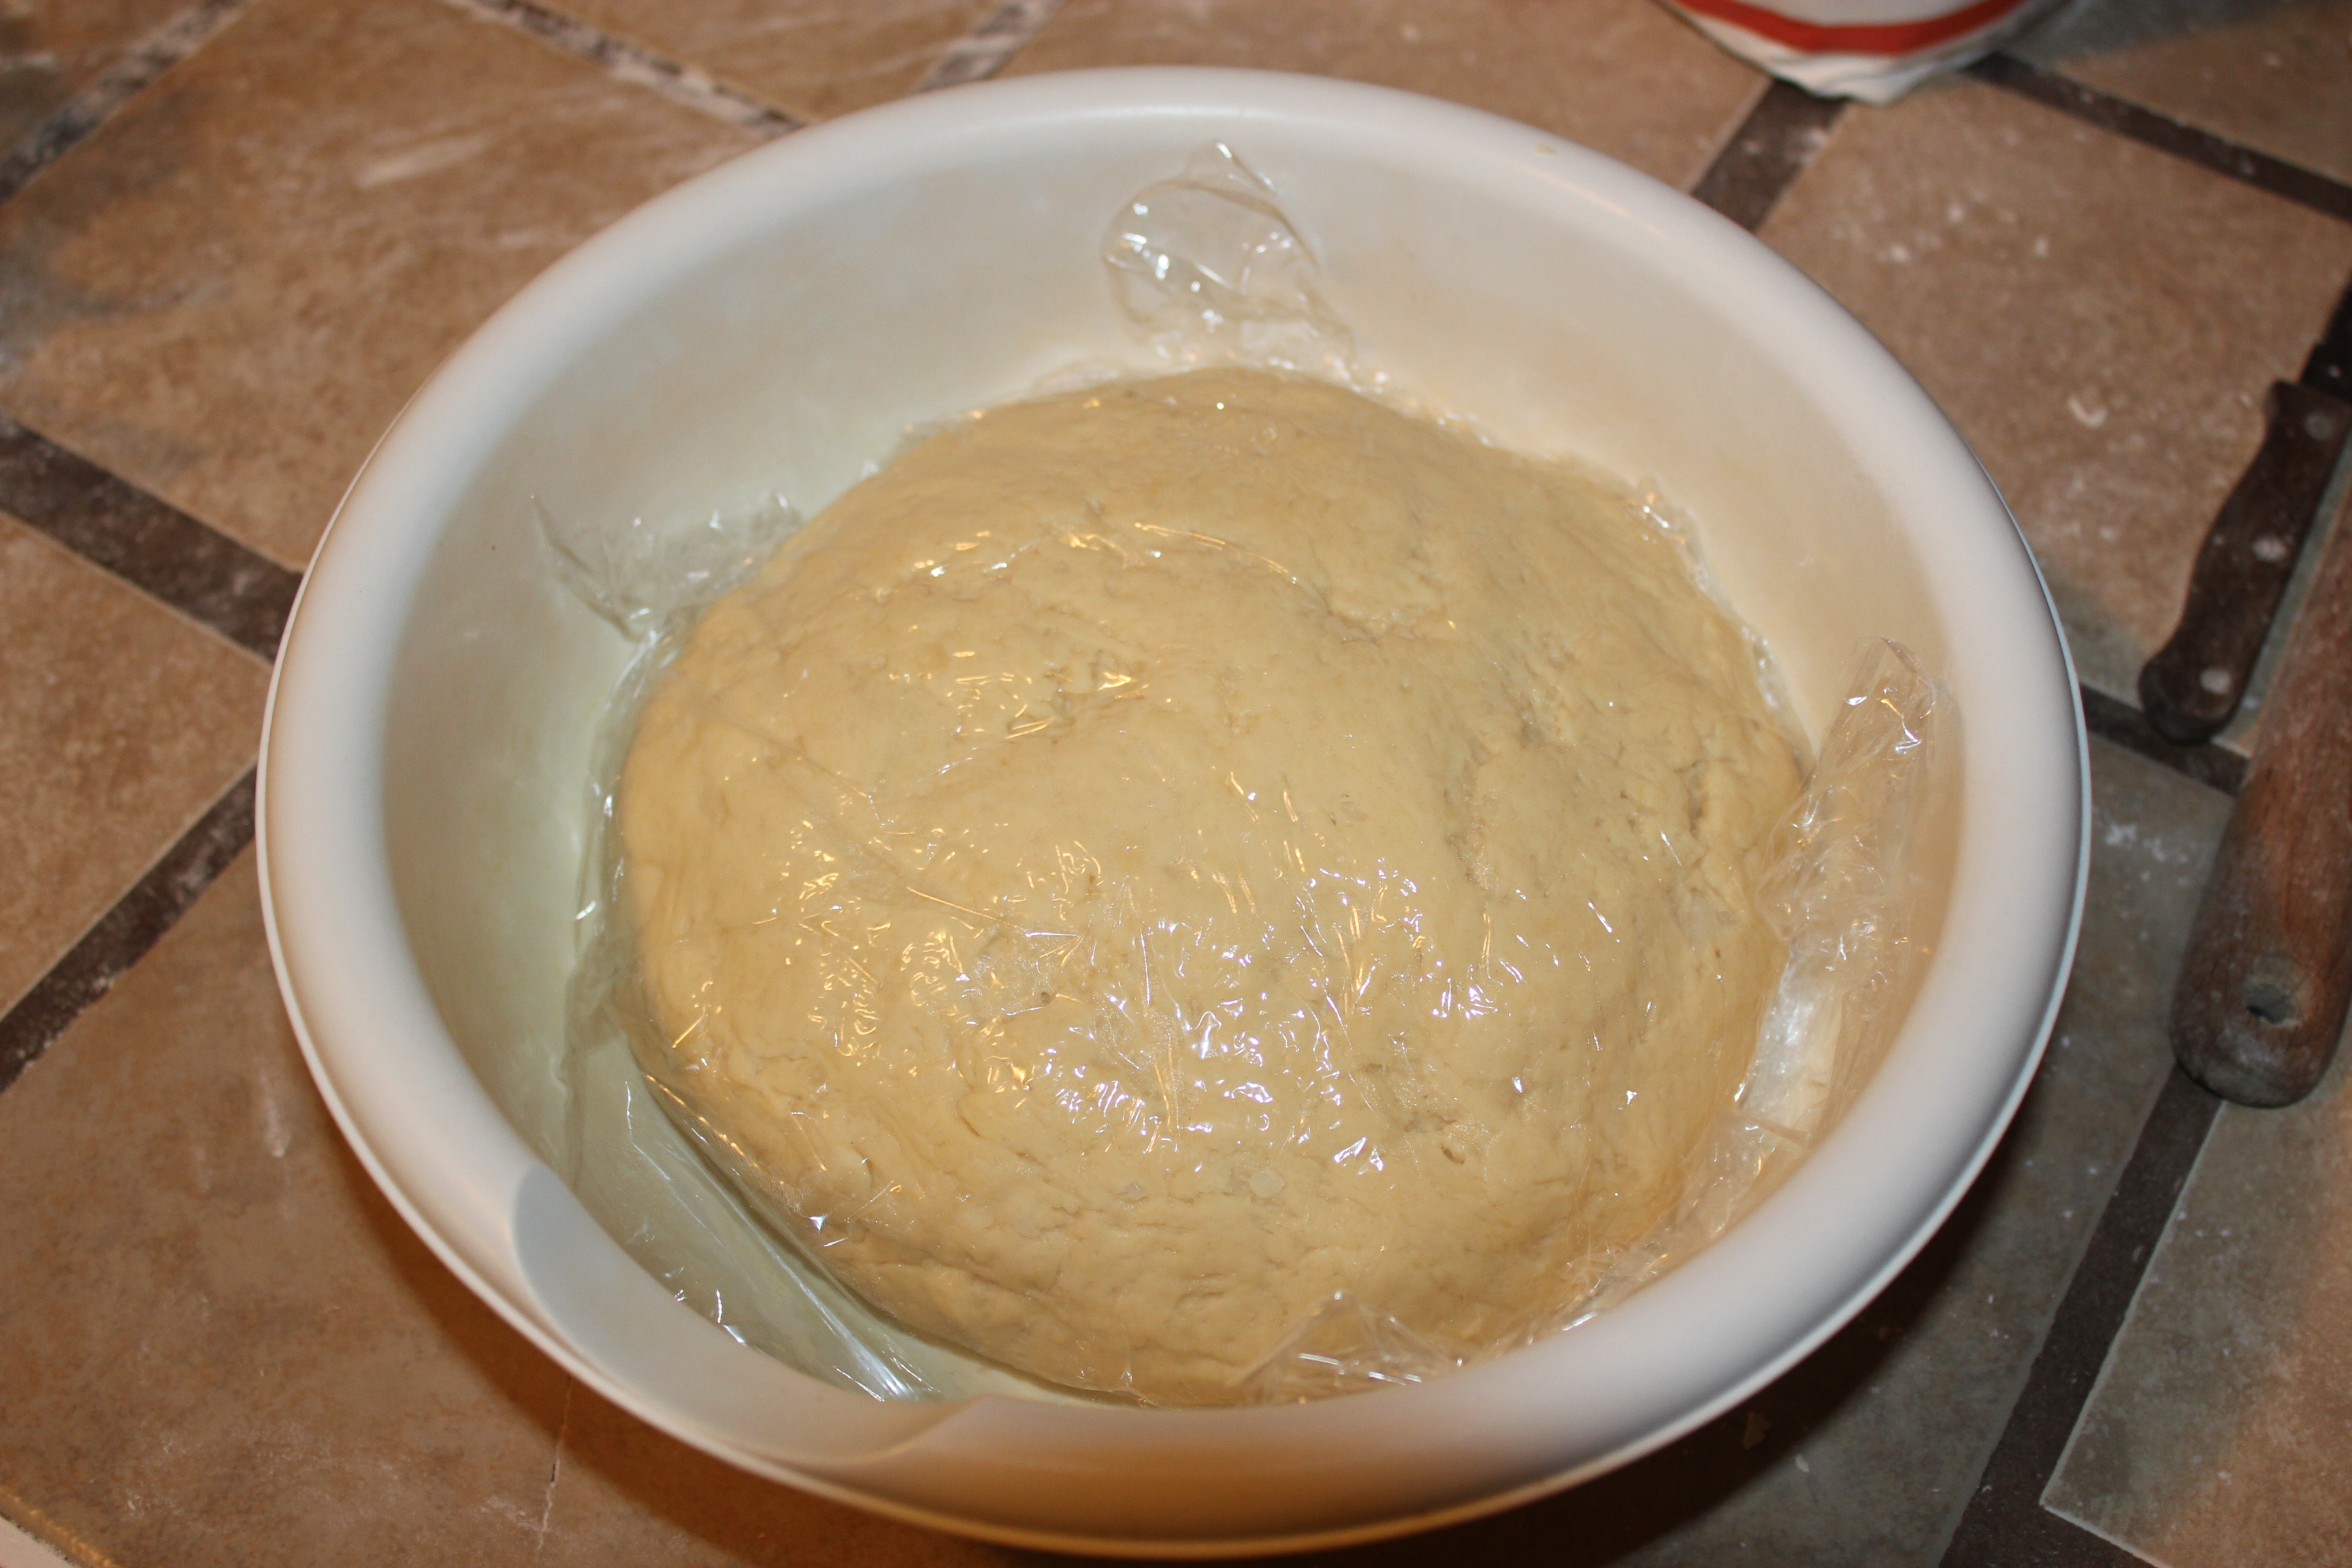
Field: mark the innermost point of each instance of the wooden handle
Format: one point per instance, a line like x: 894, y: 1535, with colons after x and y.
x: 2269, y: 969
x: 2196, y: 680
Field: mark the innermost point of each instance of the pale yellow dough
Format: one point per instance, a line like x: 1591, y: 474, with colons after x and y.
x: 1156, y: 857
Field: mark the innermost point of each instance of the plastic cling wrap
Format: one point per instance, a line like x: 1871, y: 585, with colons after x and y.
x: 1209, y: 267
x: 619, y: 1148
x: 1838, y: 881
x: 1370, y: 980
x: 1834, y: 887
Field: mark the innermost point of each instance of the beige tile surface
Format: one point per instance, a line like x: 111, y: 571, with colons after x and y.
x: 629, y: 1495
x: 230, y: 1350
x: 811, y: 59
x: 1621, y: 75
x: 219, y: 1346
x: 2221, y: 1432
x: 18, y: 1549
x: 2272, y: 75
x: 119, y: 725
x: 1863, y: 1455
x: 51, y: 49
x: 2100, y: 321
x: 226, y: 293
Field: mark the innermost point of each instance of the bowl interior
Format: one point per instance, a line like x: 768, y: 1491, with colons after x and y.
x: 774, y: 326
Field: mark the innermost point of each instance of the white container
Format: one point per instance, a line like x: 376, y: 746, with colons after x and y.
x: 774, y: 324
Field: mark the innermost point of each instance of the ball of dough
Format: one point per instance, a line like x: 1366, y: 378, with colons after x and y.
x: 1158, y: 857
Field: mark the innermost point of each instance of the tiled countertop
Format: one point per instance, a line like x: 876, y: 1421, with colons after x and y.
x: 234, y: 235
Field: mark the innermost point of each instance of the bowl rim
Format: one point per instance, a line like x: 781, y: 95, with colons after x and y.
x: 306, y: 752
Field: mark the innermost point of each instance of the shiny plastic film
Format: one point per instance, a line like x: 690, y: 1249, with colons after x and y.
x: 1209, y: 269
x: 1209, y: 888
x: 619, y: 1144
x: 1834, y: 888
x: 1838, y: 882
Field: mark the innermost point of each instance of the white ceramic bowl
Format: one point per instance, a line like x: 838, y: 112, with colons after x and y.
x: 774, y: 324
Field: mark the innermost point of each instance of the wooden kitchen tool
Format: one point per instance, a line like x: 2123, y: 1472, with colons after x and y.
x: 2263, y: 990
x: 2195, y: 682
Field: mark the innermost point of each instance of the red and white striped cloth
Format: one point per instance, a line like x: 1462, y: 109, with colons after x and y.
x: 1876, y: 50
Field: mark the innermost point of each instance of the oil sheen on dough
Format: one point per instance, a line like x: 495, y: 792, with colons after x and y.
x: 1156, y: 857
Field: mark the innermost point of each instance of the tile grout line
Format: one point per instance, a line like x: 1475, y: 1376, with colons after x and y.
x: 626, y: 61
x: 2276, y: 176
x: 2005, y: 1522
x: 2119, y: 723
x: 2114, y: 718
x: 242, y: 596
x: 1783, y: 134
x: 91, y: 108
x: 991, y: 42
x: 122, y: 936
x: 182, y: 562
x: 1727, y: 136
x: 220, y: 584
